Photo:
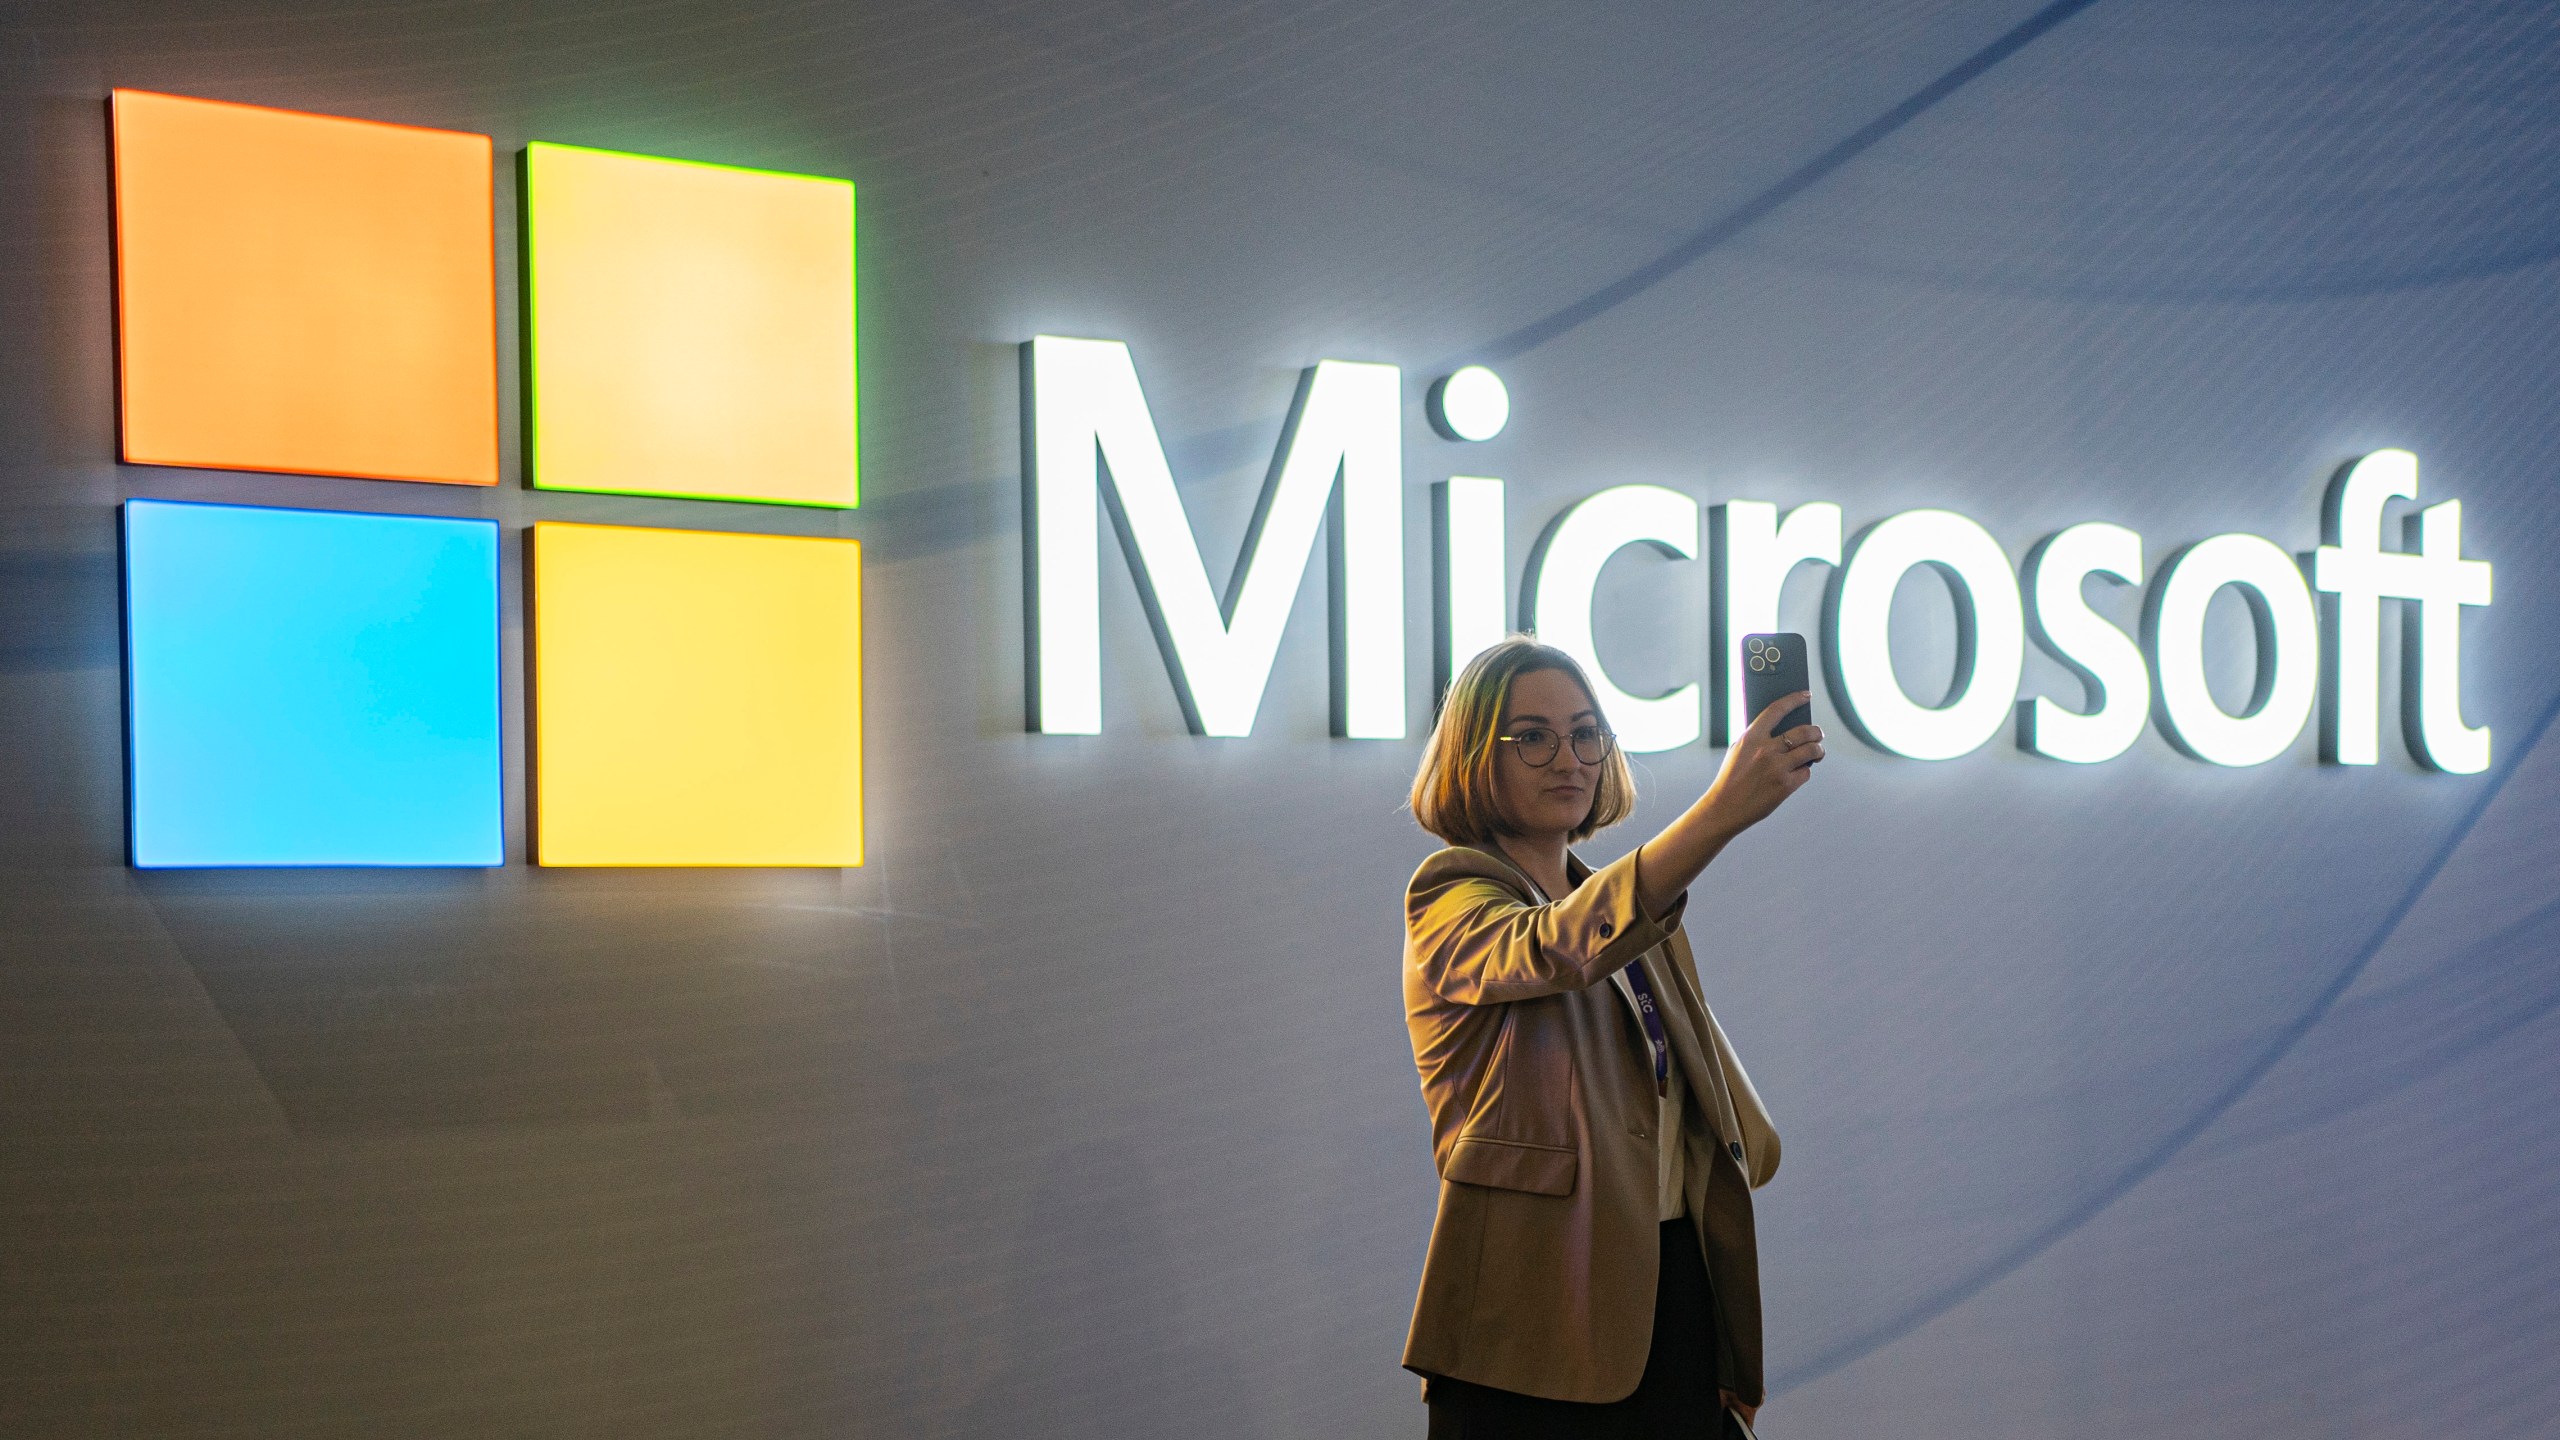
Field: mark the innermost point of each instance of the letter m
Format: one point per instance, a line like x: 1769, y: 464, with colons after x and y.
x: 1087, y: 420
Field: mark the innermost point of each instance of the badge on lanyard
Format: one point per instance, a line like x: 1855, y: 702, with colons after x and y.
x: 1655, y: 1036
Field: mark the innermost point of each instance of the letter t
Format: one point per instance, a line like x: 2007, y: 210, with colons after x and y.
x: 2431, y: 646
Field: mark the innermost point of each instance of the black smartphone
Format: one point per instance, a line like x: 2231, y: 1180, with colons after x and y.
x: 1773, y: 667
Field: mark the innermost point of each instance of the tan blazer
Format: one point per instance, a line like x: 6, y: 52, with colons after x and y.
x: 1540, y: 1275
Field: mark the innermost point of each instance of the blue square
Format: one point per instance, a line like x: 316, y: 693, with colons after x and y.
x: 307, y: 687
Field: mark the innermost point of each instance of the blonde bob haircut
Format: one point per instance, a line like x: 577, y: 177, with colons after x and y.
x: 1453, y: 792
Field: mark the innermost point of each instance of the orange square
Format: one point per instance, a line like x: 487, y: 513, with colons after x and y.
x: 304, y: 293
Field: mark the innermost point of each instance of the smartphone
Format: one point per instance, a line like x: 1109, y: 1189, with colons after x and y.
x: 1773, y: 667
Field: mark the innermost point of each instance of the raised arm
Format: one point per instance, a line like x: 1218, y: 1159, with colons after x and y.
x: 1474, y: 942
x: 1760, y: 772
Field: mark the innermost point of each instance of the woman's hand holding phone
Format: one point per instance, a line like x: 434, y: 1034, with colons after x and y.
x: 1761, y: 770
x: 1764, y: 766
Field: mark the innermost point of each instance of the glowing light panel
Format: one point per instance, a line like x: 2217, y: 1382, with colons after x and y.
x: 690, y: 329
x: 697, y: 698
x: 2109, y: 664
x: 311, y: 688
x: 2288, y: 645
x: 303, y: 293
x: 1566, y: 571
x: 1991, y: 624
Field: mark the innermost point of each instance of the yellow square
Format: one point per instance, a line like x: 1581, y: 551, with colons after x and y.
x: 689, y: 329
x: 697, y: 698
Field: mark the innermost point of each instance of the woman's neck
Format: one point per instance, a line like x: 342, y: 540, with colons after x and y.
x: 1542, y: 858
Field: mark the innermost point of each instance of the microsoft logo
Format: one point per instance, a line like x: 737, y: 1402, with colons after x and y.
x: 317, y: 295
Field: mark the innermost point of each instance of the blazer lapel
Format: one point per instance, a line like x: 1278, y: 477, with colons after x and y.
x: 1686, y: 1020
x: 1741, y: 1112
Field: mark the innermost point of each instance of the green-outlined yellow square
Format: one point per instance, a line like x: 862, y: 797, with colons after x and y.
x: 689, y: 329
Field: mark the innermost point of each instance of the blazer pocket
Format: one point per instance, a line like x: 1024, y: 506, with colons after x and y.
x: 1510, y: 1165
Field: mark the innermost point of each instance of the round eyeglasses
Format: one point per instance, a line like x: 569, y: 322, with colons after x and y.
x: 1536, y: 745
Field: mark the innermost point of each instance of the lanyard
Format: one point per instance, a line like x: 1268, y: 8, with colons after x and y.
x: 1654, y: 1034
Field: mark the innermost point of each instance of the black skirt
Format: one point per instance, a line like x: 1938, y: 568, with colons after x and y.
x: 1676, y: 1400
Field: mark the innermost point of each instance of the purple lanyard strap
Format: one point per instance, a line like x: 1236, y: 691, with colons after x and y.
x: 1654, y: 1034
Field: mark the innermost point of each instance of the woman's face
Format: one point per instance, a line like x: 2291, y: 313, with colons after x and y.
x: 1553, y: 798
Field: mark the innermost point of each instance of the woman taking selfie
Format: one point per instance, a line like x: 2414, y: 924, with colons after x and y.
x: 1592, y: 1270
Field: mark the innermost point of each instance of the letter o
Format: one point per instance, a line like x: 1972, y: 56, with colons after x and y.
x: 1990, y: 628
x: 2288, y: 661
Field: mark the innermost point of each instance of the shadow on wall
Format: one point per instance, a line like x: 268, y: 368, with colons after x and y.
x: 1091, y: 1330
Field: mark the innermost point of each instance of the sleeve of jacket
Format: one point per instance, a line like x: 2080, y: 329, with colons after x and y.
x: 1475, y: 941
